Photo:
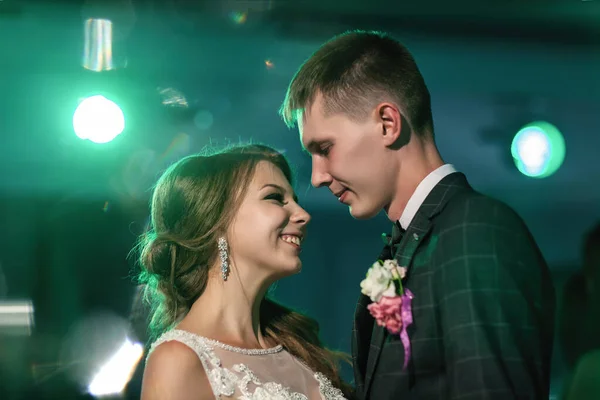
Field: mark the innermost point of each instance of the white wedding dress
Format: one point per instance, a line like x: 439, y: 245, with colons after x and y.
x: 259, y: 374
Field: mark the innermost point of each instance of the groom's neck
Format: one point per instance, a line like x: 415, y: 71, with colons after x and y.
x: 418, y: 160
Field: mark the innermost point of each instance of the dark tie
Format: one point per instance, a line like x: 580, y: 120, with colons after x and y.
x: 397, y: 233
x: 391, y: 241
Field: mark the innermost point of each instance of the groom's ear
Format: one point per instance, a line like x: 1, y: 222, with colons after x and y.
x: 391, y: 122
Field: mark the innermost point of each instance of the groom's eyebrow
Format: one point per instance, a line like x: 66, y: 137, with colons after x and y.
x: 311, y: 147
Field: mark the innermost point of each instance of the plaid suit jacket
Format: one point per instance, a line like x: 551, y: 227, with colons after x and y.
x: 483, y: 306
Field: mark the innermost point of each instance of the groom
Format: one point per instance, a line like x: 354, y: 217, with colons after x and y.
x: 483, y: 300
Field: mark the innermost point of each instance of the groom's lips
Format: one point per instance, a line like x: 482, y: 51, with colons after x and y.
x: 341, y: 195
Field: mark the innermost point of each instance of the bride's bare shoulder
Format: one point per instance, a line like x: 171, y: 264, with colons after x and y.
x: 174, y: 371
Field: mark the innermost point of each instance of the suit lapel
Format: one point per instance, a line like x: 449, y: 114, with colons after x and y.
x: 404, y: 253
x: 375, y: 347
x: 363, y: 326
x: 362, y: 331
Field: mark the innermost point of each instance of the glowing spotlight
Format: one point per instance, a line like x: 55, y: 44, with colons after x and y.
x: 98, y: 119
x: 538, y: 149
x: 116, y: 373
x: 239, y: 17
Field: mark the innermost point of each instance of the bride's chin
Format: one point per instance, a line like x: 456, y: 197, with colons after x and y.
x: 290, y: 271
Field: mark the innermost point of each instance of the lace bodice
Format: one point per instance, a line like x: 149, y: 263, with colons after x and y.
x: 260, y: 374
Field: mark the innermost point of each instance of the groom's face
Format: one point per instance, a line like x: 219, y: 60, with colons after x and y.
x: 349, y: 158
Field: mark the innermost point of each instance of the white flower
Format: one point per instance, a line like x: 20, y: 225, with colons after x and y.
x: 378, y: 283
x: 390, y: 264
x: 402, y: 272
x: 397, y: 271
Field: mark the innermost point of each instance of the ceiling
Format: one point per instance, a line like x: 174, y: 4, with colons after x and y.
x: 490, y: 68
x: 564, y: 20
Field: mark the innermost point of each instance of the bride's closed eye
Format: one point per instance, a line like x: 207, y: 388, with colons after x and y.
x: 278, y: 197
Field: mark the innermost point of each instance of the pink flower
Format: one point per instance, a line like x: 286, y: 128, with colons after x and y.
x: 393, y: 325
x: 388, y: 313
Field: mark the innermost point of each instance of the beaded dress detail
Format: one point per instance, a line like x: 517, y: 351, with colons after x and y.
x: 254, y: 374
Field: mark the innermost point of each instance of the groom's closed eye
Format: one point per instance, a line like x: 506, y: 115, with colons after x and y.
x: 324, y: 149
x: 319, y: 148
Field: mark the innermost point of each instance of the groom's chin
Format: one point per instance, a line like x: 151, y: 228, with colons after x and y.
x: 359, y: 213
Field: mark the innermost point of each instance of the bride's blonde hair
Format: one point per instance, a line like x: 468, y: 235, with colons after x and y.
x: 193, y: 203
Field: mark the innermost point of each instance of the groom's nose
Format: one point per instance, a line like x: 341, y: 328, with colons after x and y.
x: 320, y: 177
x: 319, y: 180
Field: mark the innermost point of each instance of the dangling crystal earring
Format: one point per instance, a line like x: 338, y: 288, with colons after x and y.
x: 222, y: 243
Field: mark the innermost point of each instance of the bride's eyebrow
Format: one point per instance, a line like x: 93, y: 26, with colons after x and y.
x: 273, y: 185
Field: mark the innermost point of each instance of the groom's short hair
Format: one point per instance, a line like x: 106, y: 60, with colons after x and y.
x: 354, y: 72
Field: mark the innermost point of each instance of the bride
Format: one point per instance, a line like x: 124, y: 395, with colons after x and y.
x: 224, y: 228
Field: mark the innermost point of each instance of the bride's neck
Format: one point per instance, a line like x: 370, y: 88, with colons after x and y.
x: 228, y: 312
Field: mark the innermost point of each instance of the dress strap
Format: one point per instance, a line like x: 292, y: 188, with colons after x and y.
x: 210, y: 362
x: 197, y: 343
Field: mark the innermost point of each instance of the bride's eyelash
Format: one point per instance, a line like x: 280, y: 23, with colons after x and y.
x: 276, y: 196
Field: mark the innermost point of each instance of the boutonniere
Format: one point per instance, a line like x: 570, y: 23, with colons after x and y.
x: 391, y: 302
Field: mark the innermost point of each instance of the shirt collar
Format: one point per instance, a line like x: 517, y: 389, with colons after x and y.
x: 422, y: 191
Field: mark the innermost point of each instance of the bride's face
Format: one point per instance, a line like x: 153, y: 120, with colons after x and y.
x: 267, y: 232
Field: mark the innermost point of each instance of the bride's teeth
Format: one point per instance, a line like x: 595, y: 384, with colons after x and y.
x: 291, y: 239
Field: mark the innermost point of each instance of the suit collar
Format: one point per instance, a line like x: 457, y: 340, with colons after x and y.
x: 437, y: 198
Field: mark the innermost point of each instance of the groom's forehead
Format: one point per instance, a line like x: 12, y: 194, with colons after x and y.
x: 311, y: 122
x: 307, y: 138
x: 303, y: 140
x: 300, y: 121
x: 308, y: 121
x: 301, y: 131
